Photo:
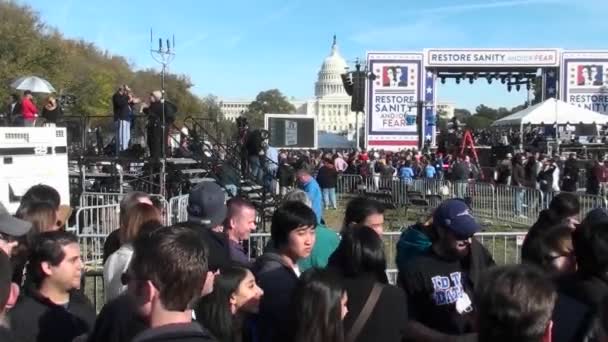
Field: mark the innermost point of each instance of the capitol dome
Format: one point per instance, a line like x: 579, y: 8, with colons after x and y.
x: 330, y: 82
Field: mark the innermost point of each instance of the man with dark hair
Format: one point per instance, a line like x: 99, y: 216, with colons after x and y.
x: 51, y: 309
x: 131, y: 199
x: 515, y: 303
x: 309, y: 184
x: 238, y: 225
x: 122, y: 111
x: 440, y: 282
x: 8, y: 296
x: 167, y: 273
x: 365, y: 211
x: 293, y: 235
x: 571, y: 170
x: 13, y: 109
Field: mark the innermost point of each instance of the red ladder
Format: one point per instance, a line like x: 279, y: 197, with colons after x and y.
x: 468, y: 141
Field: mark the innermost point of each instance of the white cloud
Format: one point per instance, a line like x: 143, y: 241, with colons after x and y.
x: 468, y: 7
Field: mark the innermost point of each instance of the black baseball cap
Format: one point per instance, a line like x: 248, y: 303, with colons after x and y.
x: 455, y: 215
x: 12, y: 226
x: 207, y: 204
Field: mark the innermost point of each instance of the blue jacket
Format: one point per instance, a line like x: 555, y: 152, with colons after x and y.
x: 429, y: 171
x: 406, y: 173
x: 313, y: 191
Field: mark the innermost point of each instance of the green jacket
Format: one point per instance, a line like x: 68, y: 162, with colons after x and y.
x: 326, y: 242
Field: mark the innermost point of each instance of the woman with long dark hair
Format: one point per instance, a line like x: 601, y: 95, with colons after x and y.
x: 318, y: 307
x: 551, y: 250
x: 224, y: 311
x: 361, y: 262
x: 564, y: 209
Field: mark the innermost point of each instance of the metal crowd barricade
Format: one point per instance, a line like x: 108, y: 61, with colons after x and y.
x: 93, y: 199
x: 587, y: 202
x: 480, y: 196
x: 518, y: 205
x: 256, y: 244
x: 390, y: 240
x: 348, y: 184
x: 177, y: 209
x: 93, y: 225
x: 89, y: 199
x: 505, y: 247
x: 93, y: 287
x: 590, y: 202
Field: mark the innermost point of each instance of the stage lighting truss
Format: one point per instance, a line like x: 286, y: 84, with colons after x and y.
x: 510, y: 79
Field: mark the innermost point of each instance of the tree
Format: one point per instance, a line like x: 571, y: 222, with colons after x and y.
x: 76, y: 67
x: 487, y: 112
x: 211, y: 109
x: 461, y: 114
x: 478, y: 122
x: 269, y: 101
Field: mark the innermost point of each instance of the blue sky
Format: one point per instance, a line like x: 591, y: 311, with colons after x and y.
x: 238, y: 48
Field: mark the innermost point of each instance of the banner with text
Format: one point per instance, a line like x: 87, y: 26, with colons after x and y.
x: 492, y: 57
x: 391, y: 100
x: 585, y: 80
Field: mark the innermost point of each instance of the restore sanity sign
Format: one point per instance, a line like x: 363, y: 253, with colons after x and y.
x: 394, y: 113
x: 491, y: 57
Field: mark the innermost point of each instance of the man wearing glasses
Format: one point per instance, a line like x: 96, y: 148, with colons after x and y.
x: 440, y: 282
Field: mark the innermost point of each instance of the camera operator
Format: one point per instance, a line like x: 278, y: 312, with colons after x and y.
x: 154, y: 110
x: 256, y: 149
x: 242, y: 131
x: 120, y: 103
x: 52, y: 111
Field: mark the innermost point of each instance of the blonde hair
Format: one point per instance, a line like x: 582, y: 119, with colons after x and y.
x: 51, y: 102
x: 137, y: 216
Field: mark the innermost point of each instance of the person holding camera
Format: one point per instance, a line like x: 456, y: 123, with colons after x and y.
x: 156, y: 114
x: 52, y: 111
x: 120, y: 103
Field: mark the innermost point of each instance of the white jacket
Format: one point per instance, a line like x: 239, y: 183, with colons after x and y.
x: 115, y: 266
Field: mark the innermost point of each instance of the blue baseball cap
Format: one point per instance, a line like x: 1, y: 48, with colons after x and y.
x: 455, y: 215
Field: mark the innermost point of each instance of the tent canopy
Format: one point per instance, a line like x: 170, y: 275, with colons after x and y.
x: 549, y: 112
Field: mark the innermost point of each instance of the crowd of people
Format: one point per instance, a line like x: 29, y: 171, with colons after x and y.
x: 194, y: 281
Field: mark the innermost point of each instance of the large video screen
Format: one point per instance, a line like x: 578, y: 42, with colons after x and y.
x: 291, y: 132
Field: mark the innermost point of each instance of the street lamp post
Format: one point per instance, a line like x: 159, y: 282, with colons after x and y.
x: 164, y: 55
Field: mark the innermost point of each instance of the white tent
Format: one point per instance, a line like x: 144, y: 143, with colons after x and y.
x: 552, y: 111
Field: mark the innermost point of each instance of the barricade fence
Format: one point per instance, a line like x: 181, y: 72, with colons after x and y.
x: 505, y: 247
x: 177, y: 210
x: 99, y: 213
x: 92, y: 199
x: 93, y: 225
x: 507, y: 204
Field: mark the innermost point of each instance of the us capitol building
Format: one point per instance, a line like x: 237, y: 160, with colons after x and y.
x: 331, y: 105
